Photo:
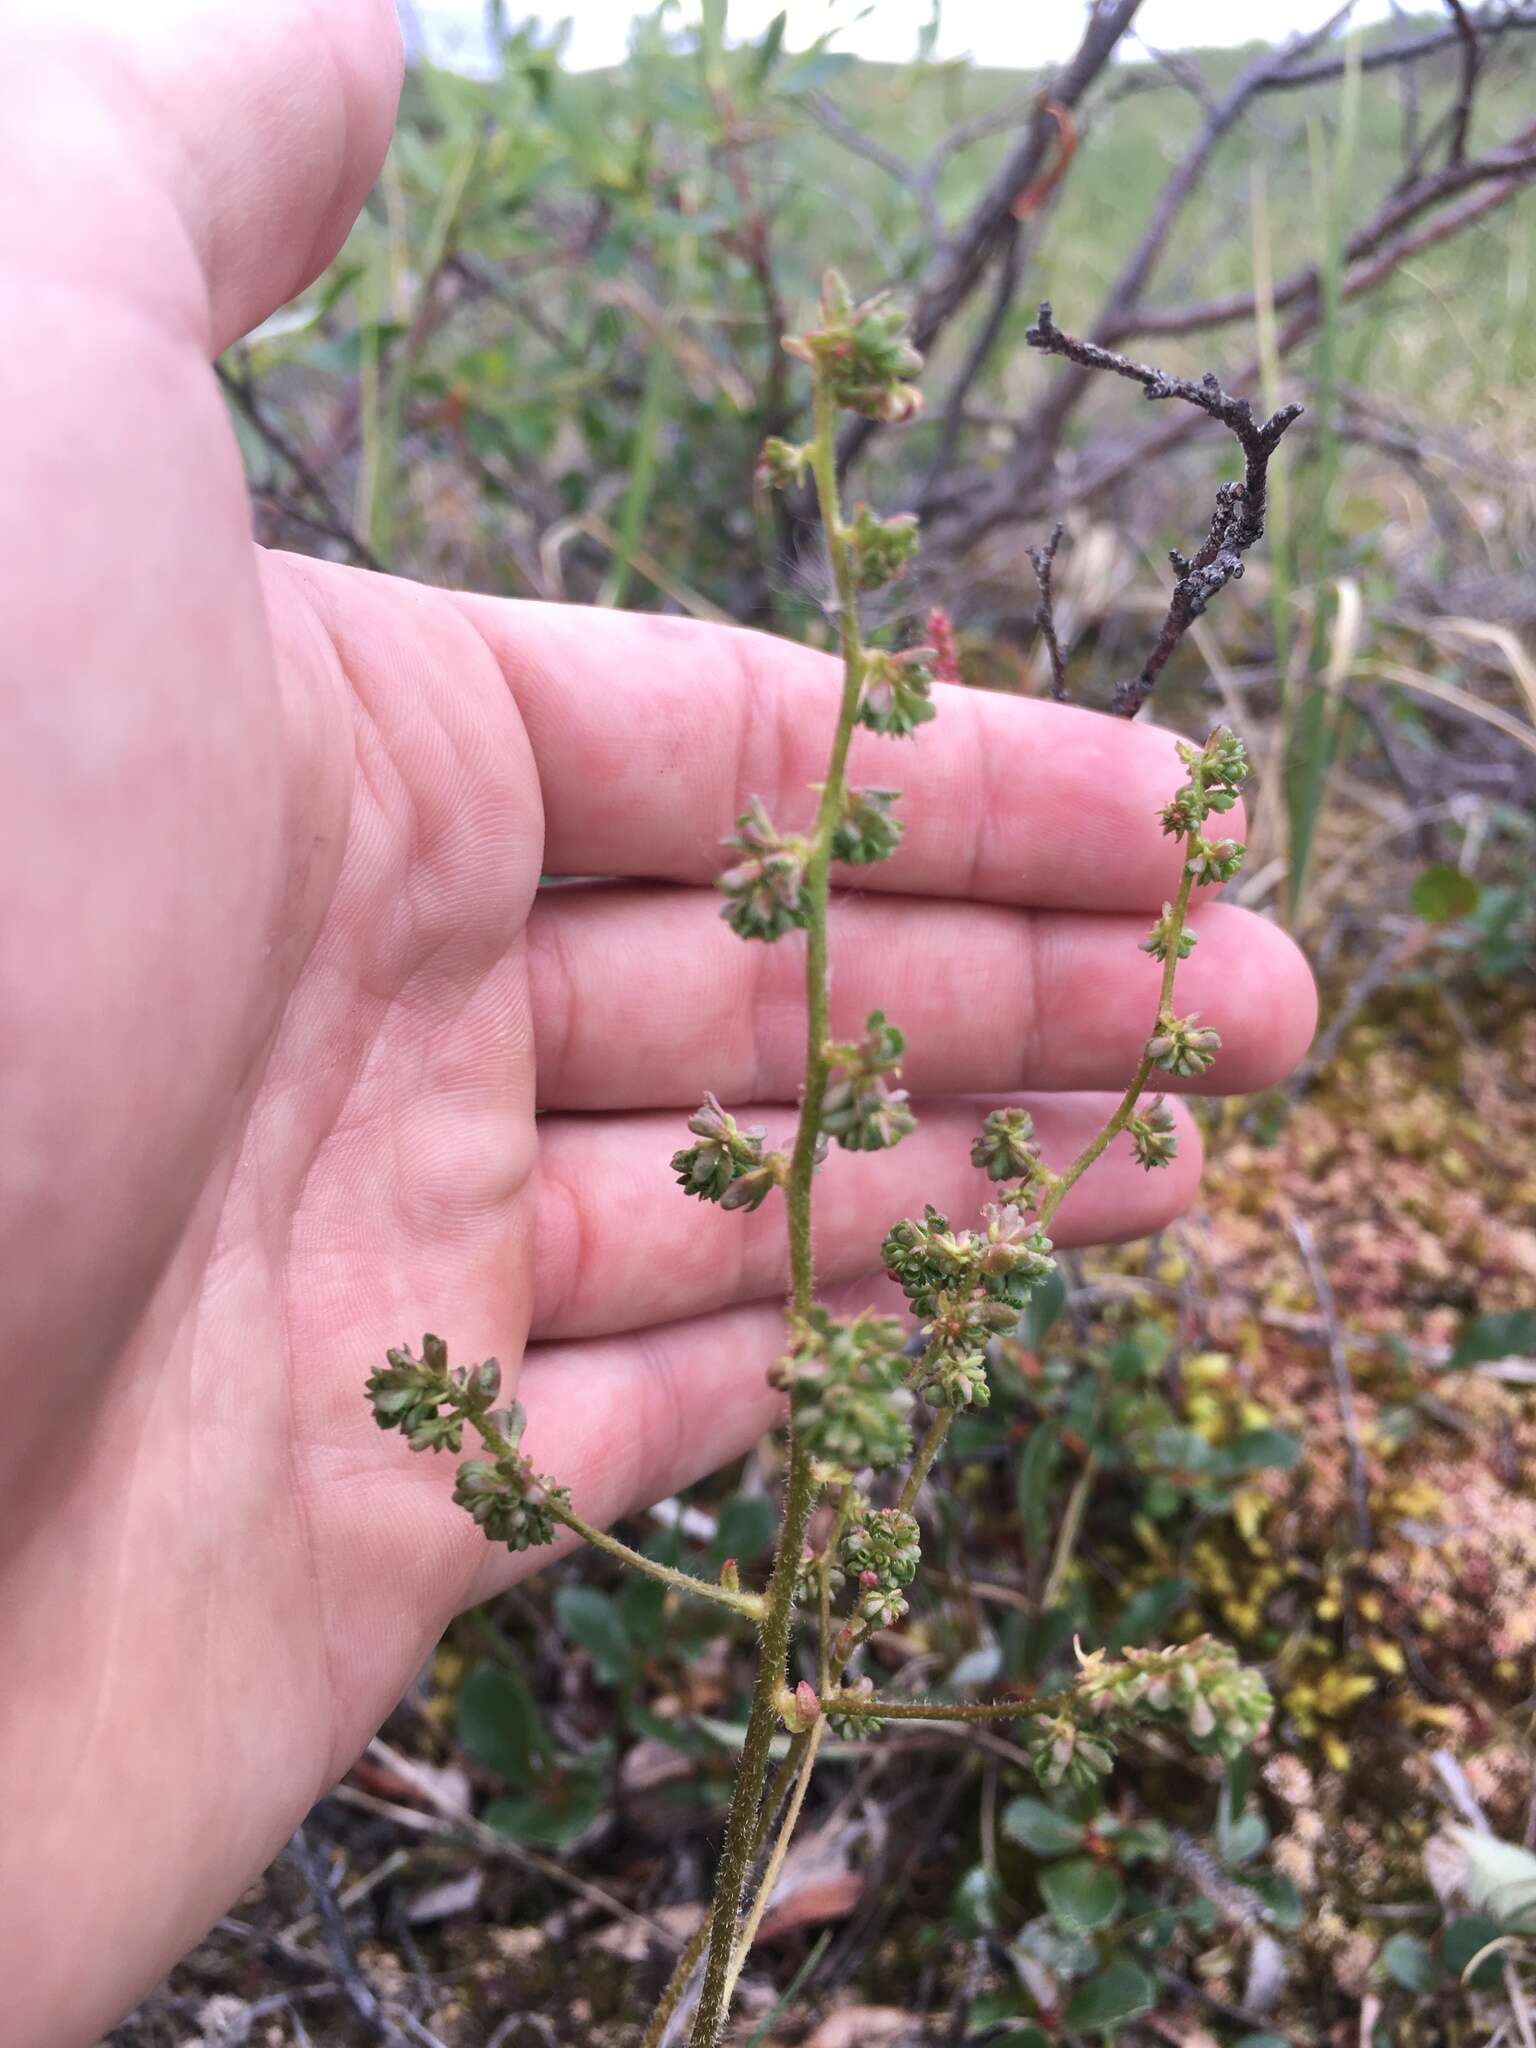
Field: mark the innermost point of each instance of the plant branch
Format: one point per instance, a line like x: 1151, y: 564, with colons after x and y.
x: 752, y: 1772
x: 750, y: 1604
x: 1070, y: 1175
x: 1517, y: 158
x: 871, y: 1707
x: 501, y: 1446
x: 714, y: 1999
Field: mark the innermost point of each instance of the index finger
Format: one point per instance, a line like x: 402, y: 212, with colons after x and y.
x: 652, y: 733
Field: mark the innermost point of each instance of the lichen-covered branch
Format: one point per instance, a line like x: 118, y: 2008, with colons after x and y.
x: 1238, y: 520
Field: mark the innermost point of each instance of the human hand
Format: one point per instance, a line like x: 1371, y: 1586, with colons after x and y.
x: 280, y: 998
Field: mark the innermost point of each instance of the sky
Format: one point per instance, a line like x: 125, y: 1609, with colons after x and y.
x: 1002, y: 32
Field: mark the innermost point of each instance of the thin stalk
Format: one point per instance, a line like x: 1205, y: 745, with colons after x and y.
x: 817, y: 888
x: 750, y: 1604
x: 927, y: 1451
x: 775, y: 1863
x: 1067, y: 1535
x: 800, y: 1488
x: 873, y: 1708
x: 1070, y: 1175
x: 824, y: 1585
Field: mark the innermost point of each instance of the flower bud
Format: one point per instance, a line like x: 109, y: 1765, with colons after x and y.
x: 1154, y: 1135
x: 800, y: 1710
x: 1181, y: 1045
x: 879, y: 549
x: 866, y: 831
x: 781, y: 464
x: 1006, y: 1147
x: 752, y: 1187
x: 723, y: 1155
x: 1213, y: 860
x: 895, y: 697
x: 1164, y: 937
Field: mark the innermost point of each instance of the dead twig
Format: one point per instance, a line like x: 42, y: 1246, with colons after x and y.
x: 1238, y: 521
x: 1041, y: 560
x: 339, y: 1945
x: 1343, y: 1384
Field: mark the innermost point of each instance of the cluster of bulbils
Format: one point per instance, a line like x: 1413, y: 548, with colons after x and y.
x: 430, y: 1402
x: 1198, y: 1687
x: 1183, y: 1045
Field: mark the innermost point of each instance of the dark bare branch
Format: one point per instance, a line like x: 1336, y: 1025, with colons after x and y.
x: 1492, y: 23
x: 962, y: 259
x: 1238, y: 521
x: 321, y: 515
x: 1471, y: 54
x: 1042, y: 560
x: 835, y: 122
x: 1516, y: 158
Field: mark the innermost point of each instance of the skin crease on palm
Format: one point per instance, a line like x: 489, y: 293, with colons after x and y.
x: 280, y: 998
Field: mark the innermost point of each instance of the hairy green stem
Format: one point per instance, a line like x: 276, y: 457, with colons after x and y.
x: 775, y: 1863
x: 752, y: 1772
x: 751, y: 1604
x: 803, y: 1159
x: 740, y: 1826
x: 688, y: 1961
x: 873, y: 1708
x: 927, y: 1451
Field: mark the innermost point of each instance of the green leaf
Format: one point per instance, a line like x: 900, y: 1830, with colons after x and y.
x: 768, y: 49
x: 1243, y: 1838
x: 563, y: 1806
x: 1500, y: 1878
x: 1122, y: 1992
x: 1140, y: 1353
x: 1045, y: 1306
x: 1255, y: 1450
x: 1407, y: 1961
x: 1263, y: 2041
x: 1441, y: 895
x: 1147, y: 1613
x: 1461, y: 1940
x: 1486, y: 1339
x: 1081, y: 1894
x: 499, y: 1724
x: 1019, y: 2037
x: 591, y: 1619
x: 1037, y: 1467
x: 746, y: 1529
x: 1310, y: 751
x: 1040, y: 1828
